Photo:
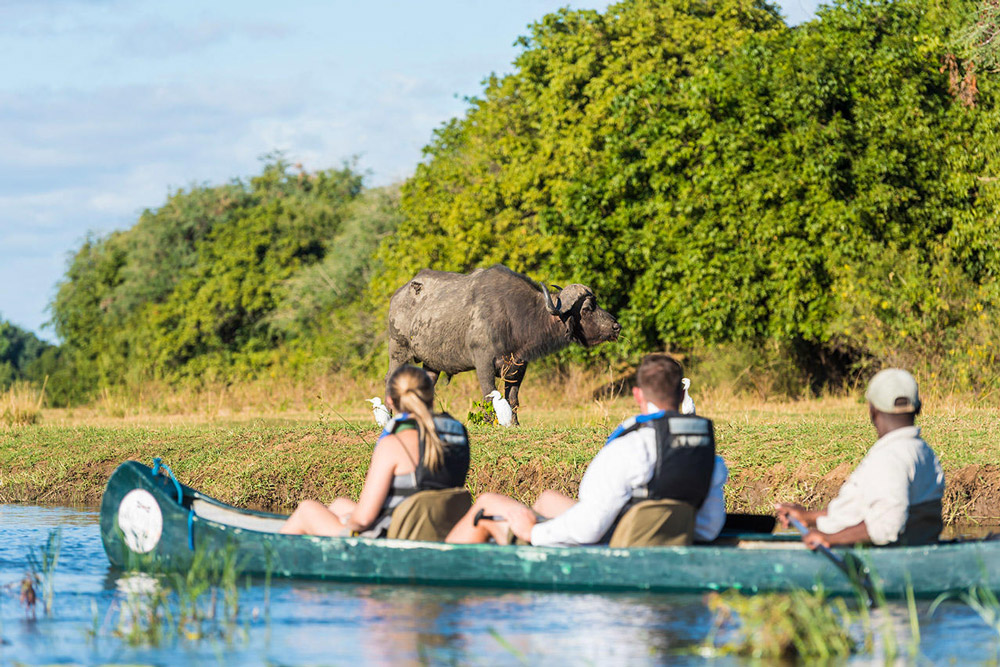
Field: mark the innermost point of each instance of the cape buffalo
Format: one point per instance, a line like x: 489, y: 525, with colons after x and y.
x: 492, y: 320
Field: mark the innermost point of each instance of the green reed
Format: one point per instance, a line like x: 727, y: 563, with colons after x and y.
x: 200, y: 603
x: 42, y: 570
x: 800, y: 624
x: 810, y: 625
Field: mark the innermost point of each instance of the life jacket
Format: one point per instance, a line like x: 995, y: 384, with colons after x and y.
x: 685, y: 457
x: 454, y: 465
x: 923, y: 524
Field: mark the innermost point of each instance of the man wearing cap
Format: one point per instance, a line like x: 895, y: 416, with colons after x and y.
x: 894, y: 495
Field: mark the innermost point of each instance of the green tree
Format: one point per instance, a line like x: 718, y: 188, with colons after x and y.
x: 189, y: 289
x: 528, y: 176
x: 722, y: 179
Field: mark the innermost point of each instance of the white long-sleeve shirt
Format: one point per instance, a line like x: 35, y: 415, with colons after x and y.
x: 625, y: 464
x: 899, y: 470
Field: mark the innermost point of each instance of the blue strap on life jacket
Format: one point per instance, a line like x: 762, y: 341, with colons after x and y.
x: 390, y: 425
x: 633, y: 423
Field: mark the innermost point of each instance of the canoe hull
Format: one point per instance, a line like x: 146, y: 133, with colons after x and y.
x: 930, y: 570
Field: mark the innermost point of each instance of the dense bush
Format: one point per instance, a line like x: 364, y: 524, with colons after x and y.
x: 213, y: 285
x: 823, y: 191
x: 23, y: 356
x: 817, y: 199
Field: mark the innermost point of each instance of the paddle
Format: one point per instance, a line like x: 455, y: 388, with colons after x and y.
x: 849, y: 564
x: 489, y: 517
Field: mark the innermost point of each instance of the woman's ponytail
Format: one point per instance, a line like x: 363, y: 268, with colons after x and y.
x: 411, y: 390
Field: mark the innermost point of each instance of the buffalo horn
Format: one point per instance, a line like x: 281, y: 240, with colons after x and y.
x: 553, y: 308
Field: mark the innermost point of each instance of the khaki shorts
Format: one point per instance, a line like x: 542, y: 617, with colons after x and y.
x: 514, y: 539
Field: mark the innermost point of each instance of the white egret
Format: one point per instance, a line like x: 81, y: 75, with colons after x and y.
x: 379, y: 411
x: 687, y: 405
x: 500, y: 406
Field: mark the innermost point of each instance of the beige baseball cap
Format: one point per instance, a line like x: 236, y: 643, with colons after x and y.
x: 888, y: 387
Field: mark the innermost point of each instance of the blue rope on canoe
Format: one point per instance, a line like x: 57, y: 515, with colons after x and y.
x: 157, y: 464
x: 191, y: 529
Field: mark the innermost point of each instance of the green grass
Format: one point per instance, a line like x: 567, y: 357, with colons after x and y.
x: 800, y: 450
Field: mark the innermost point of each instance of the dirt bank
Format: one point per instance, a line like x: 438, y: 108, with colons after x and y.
x: 972, y: 496
x: 273, y: 464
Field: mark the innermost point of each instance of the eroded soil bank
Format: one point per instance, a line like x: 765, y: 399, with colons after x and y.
x: 273, y: 464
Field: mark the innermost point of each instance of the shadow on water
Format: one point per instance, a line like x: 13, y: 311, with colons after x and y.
x: 322, y: 622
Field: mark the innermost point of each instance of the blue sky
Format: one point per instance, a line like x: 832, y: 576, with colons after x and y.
x: 107, y: 105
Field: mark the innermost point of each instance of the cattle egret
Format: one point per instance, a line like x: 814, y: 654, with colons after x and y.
x: 687, y: 405
x: 500, y: 406
x: 379, y: 411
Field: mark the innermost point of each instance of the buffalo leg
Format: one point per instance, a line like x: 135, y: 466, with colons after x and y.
x: 398, y: 355
x: 433, y: 373
x: 486, y: 374
x: 511, y: 385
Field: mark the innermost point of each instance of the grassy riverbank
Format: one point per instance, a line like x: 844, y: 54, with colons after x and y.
x: 775, y: 450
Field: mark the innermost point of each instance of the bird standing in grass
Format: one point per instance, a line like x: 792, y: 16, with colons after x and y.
x: 500, y: 406
x: 380, y: 412
x: 687, y: 405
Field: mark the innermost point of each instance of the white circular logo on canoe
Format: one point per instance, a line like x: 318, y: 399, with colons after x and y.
x: 140, y: 520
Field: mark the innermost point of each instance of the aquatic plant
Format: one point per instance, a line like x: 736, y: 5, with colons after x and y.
x: 800, y: 624
x: 878, y: 623
x: 980, y: 599
x: 808, y: 624
x: 42, y: 569
x: 517, y: 654
x: 153, y: 606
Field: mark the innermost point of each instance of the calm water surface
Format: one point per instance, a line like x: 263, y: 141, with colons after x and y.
x: 327, y: 623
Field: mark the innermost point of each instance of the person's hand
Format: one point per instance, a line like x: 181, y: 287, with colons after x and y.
x: 521, y: 521
x: 814, y: 539
x: 785, y: 510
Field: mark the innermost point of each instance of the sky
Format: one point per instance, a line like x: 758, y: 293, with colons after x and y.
x: 107, y: 106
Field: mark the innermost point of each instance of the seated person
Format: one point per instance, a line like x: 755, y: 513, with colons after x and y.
x: 659, y: 454
x: 418, y: 450
x: 894, y: 495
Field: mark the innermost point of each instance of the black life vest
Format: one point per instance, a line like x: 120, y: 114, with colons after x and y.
x: 455, y: 460
x: 685, y: 457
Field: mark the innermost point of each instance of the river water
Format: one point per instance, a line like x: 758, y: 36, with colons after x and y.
x: 301, y: 622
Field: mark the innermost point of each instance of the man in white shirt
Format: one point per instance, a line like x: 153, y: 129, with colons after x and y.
x: 637, y: 462
x: 894, y: 495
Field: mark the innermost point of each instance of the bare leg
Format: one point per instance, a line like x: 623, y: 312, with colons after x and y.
x: 551, y: 504
x: 313, y: 518
x: 492, y: 504
x: 343, y: 508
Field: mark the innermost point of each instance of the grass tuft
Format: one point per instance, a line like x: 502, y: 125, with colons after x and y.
x: 781, y: 626
x: 22, y: 406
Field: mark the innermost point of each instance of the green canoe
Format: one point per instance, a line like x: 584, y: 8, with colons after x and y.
x: 140, y: 514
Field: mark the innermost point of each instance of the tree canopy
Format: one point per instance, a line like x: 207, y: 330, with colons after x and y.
x: 827, y: 191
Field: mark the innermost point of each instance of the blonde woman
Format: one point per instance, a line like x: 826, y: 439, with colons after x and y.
x: 417, y: 451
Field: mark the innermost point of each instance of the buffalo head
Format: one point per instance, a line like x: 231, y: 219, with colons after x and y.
x: 587, y: 323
